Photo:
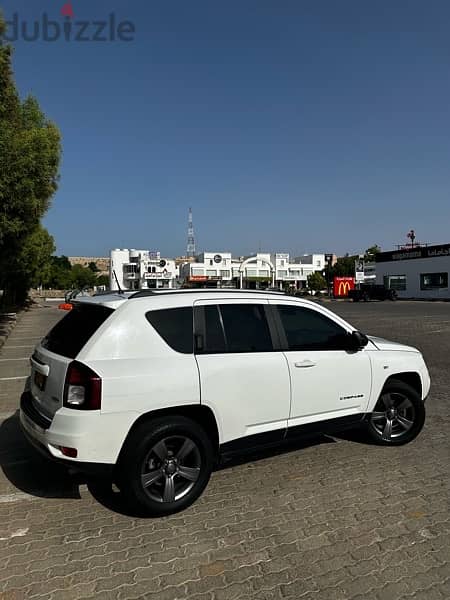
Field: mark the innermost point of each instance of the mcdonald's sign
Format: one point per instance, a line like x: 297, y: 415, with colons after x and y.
x: 342, y: 286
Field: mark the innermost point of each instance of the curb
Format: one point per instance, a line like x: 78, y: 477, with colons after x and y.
x: 7, y: 323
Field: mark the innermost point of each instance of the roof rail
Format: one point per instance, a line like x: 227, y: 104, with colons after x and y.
x: 166, y: 292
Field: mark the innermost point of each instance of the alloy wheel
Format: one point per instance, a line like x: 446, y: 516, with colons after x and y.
x: 393, y: 416
x: 171, y: 468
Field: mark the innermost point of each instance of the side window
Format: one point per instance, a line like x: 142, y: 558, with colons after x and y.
x: 232, y: 328
x: 246, y: 328
x: 214, y: 342
x: 175, y: 326
x: 307, y: 329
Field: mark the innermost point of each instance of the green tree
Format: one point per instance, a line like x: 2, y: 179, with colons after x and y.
x: 370, y: 253
x: 82, y: 277
x: 316, y: 281
x: 34, y: 260
x: 93, y: 267
x: 102, y: 280
x: 60, y: 273
x: 29, y: 162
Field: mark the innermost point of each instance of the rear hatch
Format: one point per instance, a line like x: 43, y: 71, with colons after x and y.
x: 57, y: 350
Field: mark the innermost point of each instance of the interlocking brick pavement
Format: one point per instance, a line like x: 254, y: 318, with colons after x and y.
x: 331, y: 518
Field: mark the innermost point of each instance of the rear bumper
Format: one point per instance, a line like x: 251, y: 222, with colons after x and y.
x: 97, y: 437
x: 100, y: 470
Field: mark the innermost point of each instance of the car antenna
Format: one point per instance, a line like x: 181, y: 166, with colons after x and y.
x: 117, y: 281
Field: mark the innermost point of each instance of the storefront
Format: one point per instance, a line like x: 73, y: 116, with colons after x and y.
x: 421, y: 272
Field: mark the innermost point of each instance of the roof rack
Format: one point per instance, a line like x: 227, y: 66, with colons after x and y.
x: 166, y: 292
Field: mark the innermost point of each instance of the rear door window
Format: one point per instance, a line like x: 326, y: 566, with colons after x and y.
x: 175, y: 326
x: 233, y: 328
x: 68, y: 337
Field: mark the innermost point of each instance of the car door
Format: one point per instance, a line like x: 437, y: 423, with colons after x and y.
x: 327, y: 380
x: 243, y: 379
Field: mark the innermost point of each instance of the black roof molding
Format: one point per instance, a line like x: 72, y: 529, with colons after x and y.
x: 168, y: 292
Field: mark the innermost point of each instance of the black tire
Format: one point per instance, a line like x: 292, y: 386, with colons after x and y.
x: 400, y: 404
x: 365, y: 297
x: 393, y: 295
x: 177, y: 480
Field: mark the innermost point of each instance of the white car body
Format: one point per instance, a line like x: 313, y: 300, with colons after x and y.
x: 248, y: 393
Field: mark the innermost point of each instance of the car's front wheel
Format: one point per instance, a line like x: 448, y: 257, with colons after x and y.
x: 165, y: 466
x: 398, y: 416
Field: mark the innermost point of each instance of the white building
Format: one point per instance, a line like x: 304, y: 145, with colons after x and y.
x: 141, y: 269
x: 260, y: 270
x: 420, y: 272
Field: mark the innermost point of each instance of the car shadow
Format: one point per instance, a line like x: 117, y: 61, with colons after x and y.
x: 31, y: 473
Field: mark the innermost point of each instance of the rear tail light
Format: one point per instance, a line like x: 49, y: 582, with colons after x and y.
x: 83, y: 388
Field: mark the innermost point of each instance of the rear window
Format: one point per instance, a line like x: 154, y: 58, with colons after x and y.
x: 73, y: 331
x: 175, y: 326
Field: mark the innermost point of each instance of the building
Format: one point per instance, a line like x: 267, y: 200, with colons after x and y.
x: 101, y: 262
x: 141, y: 269
x: 416, y: 272
x: 262, y: 270
x: 209, y: 268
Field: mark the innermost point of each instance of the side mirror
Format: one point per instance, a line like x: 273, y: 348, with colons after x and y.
x: 358, y: 340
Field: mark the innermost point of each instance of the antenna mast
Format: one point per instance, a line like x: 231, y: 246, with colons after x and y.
x: 190, y: 237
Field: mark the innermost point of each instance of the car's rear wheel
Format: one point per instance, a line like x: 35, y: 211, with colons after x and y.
x: 398, y: 416
x: 165, y: 466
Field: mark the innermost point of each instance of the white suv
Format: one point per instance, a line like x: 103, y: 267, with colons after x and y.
x: 158, y: 386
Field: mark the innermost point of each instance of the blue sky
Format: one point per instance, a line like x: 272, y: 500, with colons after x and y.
x: 289, y: 125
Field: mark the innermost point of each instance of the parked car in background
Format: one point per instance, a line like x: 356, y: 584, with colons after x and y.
x: 155, y: 388
x: 371, y: 291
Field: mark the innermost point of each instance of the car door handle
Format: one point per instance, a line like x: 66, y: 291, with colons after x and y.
x: 304, y: 364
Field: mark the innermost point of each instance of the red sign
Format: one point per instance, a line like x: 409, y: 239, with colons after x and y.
x: 342, y: 286
x: 197, y: 278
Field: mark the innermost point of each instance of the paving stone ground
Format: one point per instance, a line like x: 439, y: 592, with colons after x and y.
x: 334, y: 518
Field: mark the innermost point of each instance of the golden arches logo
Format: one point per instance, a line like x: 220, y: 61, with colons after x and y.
x: 344, y: 288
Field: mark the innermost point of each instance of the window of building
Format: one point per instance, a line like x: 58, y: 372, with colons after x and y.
x: 282, y: 274
x: 175, y: 326
x: 130, y: 268
x: 197, y: 272
x: 225, y: 273
x: 294, y: 273
x: 252, y: 272
x: 211, y: 273
x: 264, y: 273
x: 211, y: 262
x: 433, y: 281
x: 306, y: 329
x: 395, y: 282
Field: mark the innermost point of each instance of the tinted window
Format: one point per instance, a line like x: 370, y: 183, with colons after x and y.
x: 306, y: 329
x: 214, y: 341
x: 73, y: 331
x: 175, y: 327
x: 246, y: 328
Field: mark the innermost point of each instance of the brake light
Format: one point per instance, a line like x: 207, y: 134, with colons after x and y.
x: 83, y: 388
